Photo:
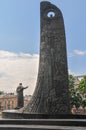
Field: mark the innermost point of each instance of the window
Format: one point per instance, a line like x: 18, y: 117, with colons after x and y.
x: 51, y: 14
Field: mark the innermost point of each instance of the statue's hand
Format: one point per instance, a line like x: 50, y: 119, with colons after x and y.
x: 25, y: 87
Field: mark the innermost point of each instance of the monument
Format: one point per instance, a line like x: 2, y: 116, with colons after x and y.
x: 51, y: 95
x: 20, y: 99
x: 49, y: 107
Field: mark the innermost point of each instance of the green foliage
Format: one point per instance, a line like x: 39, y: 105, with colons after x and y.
x: 82, y: 91
x: 75, y: 97
x: 84, y: 103
x: 82, y: 86
x: 71, y: 81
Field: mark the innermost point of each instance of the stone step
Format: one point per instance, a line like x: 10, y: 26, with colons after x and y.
x: 38, y: 127
x: 50, y: 122
x: 16, y: 115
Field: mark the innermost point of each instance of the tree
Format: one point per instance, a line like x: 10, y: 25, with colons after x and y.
x: 71, y: 81
x: 75, y: 97
x: 82, y: 86
x: 82, y: 90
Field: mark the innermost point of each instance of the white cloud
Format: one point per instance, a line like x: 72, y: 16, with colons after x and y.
x: 16, y: 68
x: 79, y: 52
x: 76, y: 52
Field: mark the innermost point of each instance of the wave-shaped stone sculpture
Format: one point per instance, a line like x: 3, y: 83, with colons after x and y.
x: 51, y: 95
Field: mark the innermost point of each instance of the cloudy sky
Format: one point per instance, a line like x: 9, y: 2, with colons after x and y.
x: 20, y: 40
x: 18, y: 68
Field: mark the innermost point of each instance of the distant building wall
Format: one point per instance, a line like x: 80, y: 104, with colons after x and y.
x: 9, y: 101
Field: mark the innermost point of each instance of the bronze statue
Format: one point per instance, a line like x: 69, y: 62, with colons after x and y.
x: 19, y: 90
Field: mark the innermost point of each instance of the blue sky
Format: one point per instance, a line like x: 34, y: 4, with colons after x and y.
x: 20, y: 30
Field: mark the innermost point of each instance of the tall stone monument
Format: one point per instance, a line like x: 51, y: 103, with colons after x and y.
x: 51, y: 95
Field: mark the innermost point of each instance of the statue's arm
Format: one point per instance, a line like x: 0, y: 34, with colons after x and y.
x: 25, y: 87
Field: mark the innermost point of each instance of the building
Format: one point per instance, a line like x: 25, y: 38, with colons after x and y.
x: 9, y: 101
x: 77, y: 80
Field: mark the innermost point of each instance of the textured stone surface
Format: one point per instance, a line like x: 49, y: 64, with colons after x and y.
x: 51, y: 95
x: 38, y: 127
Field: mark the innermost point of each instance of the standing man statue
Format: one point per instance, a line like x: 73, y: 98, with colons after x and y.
x: 20, y: 99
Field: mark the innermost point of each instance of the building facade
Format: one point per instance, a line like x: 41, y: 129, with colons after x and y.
x: 9, y: 101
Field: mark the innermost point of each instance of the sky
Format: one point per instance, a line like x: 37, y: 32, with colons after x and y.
x: 20, y: 40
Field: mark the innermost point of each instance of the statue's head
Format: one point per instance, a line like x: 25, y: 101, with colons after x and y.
x: 20, y: 83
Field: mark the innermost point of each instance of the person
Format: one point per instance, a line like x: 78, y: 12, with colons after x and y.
x: 20, y: 99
